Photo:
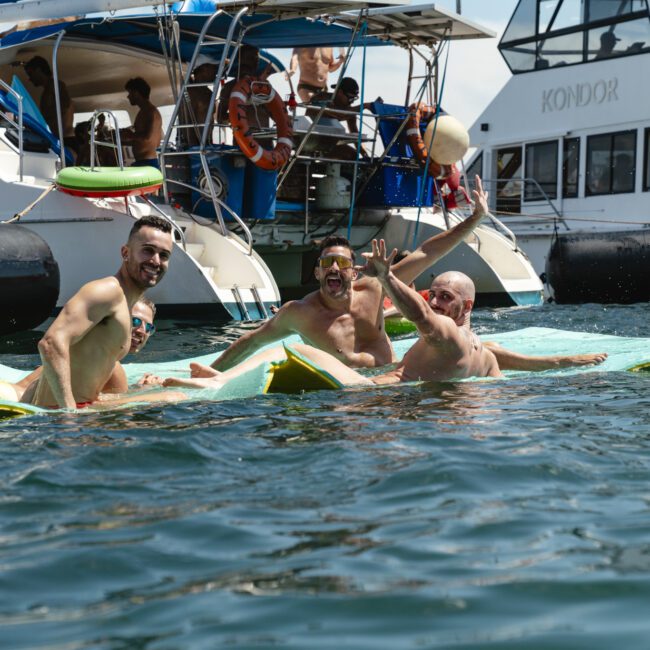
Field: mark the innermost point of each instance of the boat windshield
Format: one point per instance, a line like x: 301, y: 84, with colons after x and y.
x: 552, y: 33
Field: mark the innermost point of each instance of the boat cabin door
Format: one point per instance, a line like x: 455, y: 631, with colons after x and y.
x: 508, y: 173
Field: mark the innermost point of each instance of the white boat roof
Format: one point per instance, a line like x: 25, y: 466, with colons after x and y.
x: 425, y: 24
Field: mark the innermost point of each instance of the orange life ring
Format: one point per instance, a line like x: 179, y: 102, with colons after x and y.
x: 263, y: 158
x: 423, y: 113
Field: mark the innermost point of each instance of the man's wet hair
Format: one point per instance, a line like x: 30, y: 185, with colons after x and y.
x: 138, y: 85
x: 39, y: 63
x: 153, y: 222
x: 335, y: 240
x: 147, y: 303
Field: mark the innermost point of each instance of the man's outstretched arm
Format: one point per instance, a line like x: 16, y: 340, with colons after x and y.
x: 436, y: 247
x: 274, y: 329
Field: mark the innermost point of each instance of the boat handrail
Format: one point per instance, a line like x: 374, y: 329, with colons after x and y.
x: 543, y: 196
x: 19, y: 126
x: 118, y: 142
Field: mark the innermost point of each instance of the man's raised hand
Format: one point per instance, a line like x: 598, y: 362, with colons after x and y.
x: 480, y: 198
x: 377, y: 263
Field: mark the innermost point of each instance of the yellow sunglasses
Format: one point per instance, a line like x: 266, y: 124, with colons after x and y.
x: 341, y: 261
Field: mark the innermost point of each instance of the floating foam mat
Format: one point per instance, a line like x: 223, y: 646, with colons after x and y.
x: 297, y: 374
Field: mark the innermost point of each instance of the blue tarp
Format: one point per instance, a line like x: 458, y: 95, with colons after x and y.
x: 262, y: 30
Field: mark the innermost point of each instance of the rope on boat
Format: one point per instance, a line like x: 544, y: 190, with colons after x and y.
x: 23, y: 212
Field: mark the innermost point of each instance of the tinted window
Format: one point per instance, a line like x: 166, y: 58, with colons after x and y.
x: 570, y: 167
x: 541, y: 165
x: 646, y: 161
x: 475, y: 168
x: 611, y: 163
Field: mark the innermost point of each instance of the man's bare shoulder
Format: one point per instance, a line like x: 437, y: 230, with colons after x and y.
x: 105, y: 289
x: 366, y: 283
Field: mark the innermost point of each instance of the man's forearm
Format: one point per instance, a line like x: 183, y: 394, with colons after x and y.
x: 237, y: 352
x: 56, y: 371
x: 408, y: 301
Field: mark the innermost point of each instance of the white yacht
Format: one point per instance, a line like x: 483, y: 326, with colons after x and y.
x: 565, y: 145
x: 243, y: 233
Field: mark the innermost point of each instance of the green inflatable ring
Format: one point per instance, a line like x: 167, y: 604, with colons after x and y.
x: 396, y: 325
x: 108, y: 181
x: 641, y: 367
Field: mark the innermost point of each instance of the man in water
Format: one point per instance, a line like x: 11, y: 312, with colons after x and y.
x: 142, y: 327
x: 40, y: 74
x: 93, y: 330
x: 315, y: 64
x: 145, y: 135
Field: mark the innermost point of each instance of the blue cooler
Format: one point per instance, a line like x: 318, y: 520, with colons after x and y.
x: 261, y: 188
x: 392, y: 186
x: 228, y: 169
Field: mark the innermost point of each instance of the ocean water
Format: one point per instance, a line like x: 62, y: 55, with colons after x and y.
x: 471, y: 515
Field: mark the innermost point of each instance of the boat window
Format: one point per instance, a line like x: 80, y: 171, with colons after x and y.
x: 561, y: 50
x: 646, y: 161
x: 547, y: 33
x: 509, y: 181
x: 626, y: 38
x: 604, y: 9
x: 541, y: 165
x: 475, y: 168
x: 570, y: 167
x: 611, y: 163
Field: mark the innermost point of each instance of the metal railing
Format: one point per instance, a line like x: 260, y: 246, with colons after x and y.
x: 12, y: 122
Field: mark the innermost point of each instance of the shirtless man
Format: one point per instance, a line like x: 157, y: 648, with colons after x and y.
x: 200, y: 98
x: 93, y: 330
x: 40, y: 74
x: 315, y: 64
x: 145, y: 135
x: 142, y: 327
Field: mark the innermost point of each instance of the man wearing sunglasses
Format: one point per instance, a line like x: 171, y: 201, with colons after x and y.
x: 345, y: 316
x: 142, y: 328
x: 93, y: 330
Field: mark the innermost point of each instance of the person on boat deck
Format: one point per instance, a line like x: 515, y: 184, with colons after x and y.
x: 608, y: 42
x: 94, y: 328
x: 200, y: 98
x: 40, y: 74
x: 342, y: 99
x: 315, y: 64
x: 146, y: 133
x: 345, y: 316
x: 142, y: 328
x: 248, y: 65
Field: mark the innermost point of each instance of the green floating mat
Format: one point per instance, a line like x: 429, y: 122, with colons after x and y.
x: 297, y: 374
x: 398, y: 325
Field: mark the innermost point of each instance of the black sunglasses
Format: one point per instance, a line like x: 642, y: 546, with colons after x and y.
x: 150, y: 328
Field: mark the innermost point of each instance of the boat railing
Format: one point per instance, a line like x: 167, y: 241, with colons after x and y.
x: 117, y: 145
x: 12, y: 122
x: 516, y: 191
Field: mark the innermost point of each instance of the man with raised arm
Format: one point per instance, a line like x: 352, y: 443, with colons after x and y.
x: 345, y: 316
x: 93, y: 330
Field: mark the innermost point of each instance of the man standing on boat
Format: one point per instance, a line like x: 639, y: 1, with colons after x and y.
x: 94, y: 328
x: 145, y: 135
x: 40, y: 74
x: 315, y: 64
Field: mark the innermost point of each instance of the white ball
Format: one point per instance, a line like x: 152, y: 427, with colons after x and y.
x: 451, y: 140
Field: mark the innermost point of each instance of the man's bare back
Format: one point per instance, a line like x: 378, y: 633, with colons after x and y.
x: 147, y: 130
